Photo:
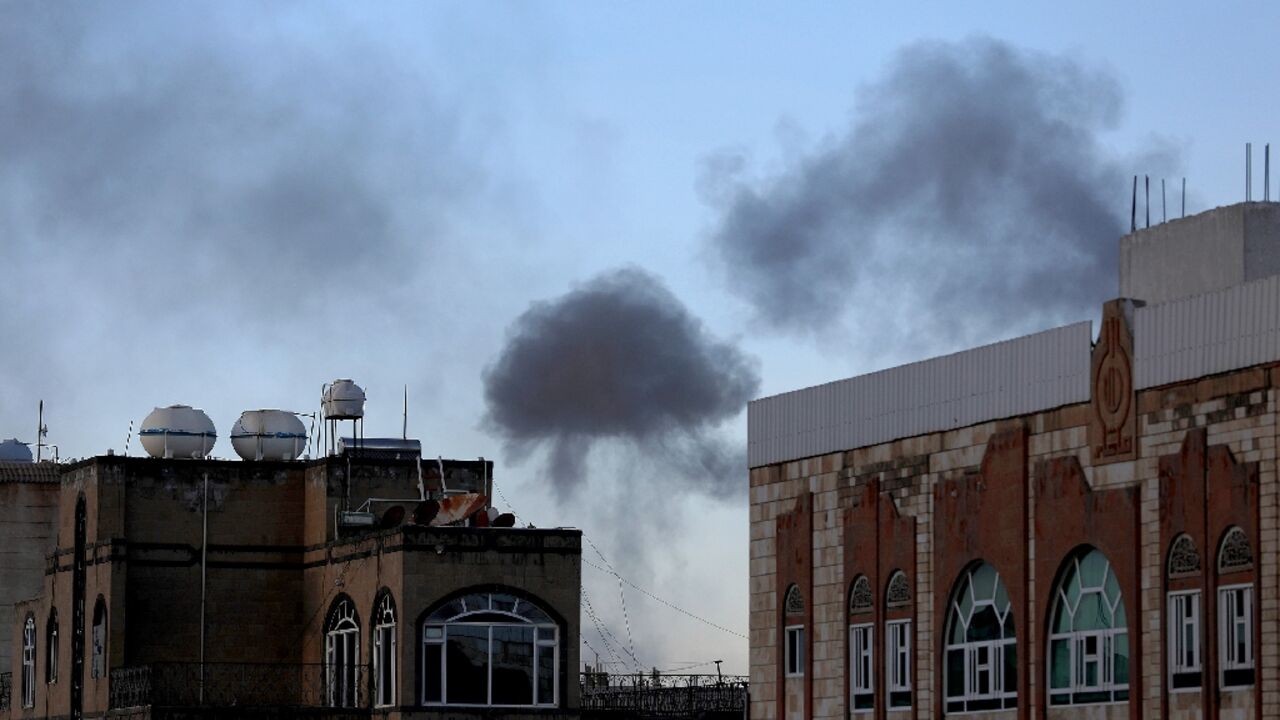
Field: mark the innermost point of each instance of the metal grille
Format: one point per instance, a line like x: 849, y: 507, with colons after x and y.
x: 6, y: 685
x: 1184, y: 557
x: 224, y: 685
x: 1236, y: 553
x: 658, y: 696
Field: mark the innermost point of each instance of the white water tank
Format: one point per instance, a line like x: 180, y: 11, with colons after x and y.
x: 268, y: 435
x: 343, y: 400
x: 14, y: 450
x: 178, y: 431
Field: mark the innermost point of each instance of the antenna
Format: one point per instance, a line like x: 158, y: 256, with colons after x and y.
x: 42, y: 430
x: 1133, y: 209
x: 1266, y: 172
x: 1184, y: 197
x: 1248, y: 172
x: 1147, y: 180
x: 127, y: 438
x: 1164, y: 207
x: 404, y: 430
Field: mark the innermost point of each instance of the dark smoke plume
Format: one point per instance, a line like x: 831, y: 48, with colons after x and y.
x: 619, y: 358
x: 970, y: 192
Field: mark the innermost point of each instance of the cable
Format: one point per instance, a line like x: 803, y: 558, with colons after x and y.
x: 669, y: 604
x: 595, y: 620
x: 626, y: 617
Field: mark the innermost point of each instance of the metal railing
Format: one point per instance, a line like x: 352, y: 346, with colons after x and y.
x: 239, y: 684
x: 6, y: 687
x: 653, y: 695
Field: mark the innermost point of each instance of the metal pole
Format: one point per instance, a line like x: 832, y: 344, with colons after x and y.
x: 1164, y: 206
x: 204, y: 556
x: 1184, y: 197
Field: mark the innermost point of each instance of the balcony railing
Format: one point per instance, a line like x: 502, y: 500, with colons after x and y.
x: 650, y: 695
x: 239, y: 684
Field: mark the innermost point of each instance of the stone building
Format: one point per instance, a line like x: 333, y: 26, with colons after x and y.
x: 322, y: 588
x: 1063, y: 525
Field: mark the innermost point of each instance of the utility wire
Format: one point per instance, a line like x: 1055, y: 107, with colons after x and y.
x: 626, y: 617
x: 595, y: 620
x: 669, y: 604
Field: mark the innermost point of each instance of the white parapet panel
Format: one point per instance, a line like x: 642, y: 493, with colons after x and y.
x: 1027, y: 374
x: 1207, y: 334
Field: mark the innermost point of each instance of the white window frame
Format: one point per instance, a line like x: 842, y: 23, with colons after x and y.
x: 862, y: 664
x: 1230, y: 598
x: 1079, y: 657
x: 29, y: 662
x: 342, y: 657
x: 794, y: 651
x: 1181, y: 624
x: 384, y: 638
x: 974, y: 666
x: 897, y: 661
x: 546, y: 639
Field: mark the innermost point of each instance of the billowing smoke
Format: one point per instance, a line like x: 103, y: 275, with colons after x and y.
x: 620, y: 359
x: 970, y: 193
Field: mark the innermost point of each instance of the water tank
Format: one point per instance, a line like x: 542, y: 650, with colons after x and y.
x: 14, y: 450
x: 343, y: 400
x: 268, y: 435
x: 178, y: 431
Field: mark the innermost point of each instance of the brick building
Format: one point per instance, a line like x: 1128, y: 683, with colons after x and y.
x: 323, y: 588
x: 1060, y: 525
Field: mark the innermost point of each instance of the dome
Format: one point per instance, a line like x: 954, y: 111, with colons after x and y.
x: 343, y: 400
x: 14, y: 450
x: 268, y: 435
x: 178, y: 431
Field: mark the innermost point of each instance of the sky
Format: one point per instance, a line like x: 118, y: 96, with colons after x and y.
x: 583, y: 235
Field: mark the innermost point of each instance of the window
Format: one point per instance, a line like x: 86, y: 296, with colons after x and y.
x: 1088, y: 637
x: 1184, y: 557
x: 981, y: 653
x: 861, y: 599
x: 897, y: 662
x: 1235, y: 554
x: 342, y: 655
x: 51, y: 649
x: 861, y: 668
x: 1184, y: 640
x: 29, y: 662
x: 795, y: 651
x: 490, y: 649
x: 98, y: 658
x: 384, y: 651
x: 898, y: 592
x: 1235, y: 633
x: 793, y: 603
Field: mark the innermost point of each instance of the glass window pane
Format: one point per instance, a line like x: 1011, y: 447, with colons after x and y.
x: 432, y: 669
x: 1112, y: 587
x: 1002, y: 596
x: 1093, y: 569
x: 467, y: 655
x: 547, y: 633
x: 984, y: 625
x: 1060, y: 664
x: 546, y: 675
x: 433, y: 632
x: 1092, y: 613
x: 984, y: 582
x: 534, y: 614
x: 957, y: 628
x: 512, y: 665
x: 503, y: 603
x: 955, y: 673
x: 1010, y: 668
x: 1120, y: 663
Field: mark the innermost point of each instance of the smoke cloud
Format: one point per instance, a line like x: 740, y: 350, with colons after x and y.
x: 970, y: 192
x: 620, y: 358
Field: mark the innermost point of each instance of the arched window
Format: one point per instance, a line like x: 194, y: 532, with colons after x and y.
x: 1183, y: 615
x: 51, y: 648
x: 490, y: 649
x: 898, y: 592
x: 342, y: 654
x: 862, y: 633
x: 982, y: 660
x: 1088, y: 634
x: 29, y: 662
x: 861, y: 599
x: 98, y: 641
x: 897, y: 643
x: 793, y: 653
x: 384, y: 651
x: 1235, y: 611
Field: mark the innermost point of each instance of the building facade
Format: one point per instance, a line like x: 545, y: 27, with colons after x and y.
x: 333, y: 587
x: 1064, y: 525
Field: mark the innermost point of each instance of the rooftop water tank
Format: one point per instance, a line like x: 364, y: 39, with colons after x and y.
x: 268, y: 435
x: 14, y: 450
x: 178, y: 431
x: 343, y: 400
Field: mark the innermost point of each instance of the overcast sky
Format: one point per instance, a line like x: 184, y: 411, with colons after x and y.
x: 584, y: 235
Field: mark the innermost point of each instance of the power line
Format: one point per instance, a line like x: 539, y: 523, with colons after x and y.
x: 626, y: 617
x: 595, y: 620
x: 669, y: 604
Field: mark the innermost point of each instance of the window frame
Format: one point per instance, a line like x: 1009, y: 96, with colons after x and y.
x: 434, y: 637
x: 1178, y: 622
x: 1079, y: 658
x: 862, y: 666
x: 29, y: 662
x: 973, y: 667
x: 51, y: 648
x: 384, y: 633
x: 897, y: 661
x: 1227, y: 637
x: 793, y: 653
x: 342, y: 637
